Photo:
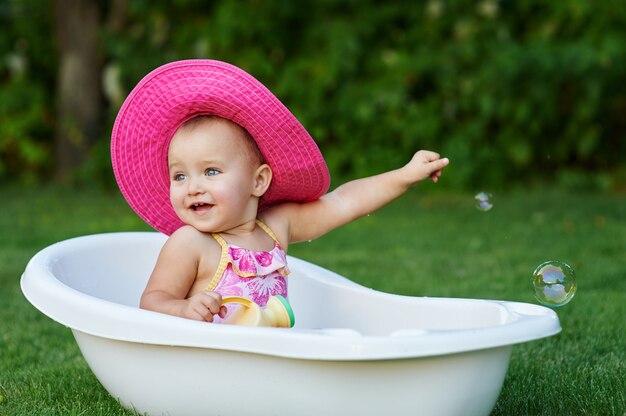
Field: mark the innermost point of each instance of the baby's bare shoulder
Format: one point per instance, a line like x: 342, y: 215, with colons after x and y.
x: 191, y: 239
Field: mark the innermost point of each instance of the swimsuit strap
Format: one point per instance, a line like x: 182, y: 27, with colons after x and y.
x: 267, y: 230
x: 221, y: 267
x: 223, y: 264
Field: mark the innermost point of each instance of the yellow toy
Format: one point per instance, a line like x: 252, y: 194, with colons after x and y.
x: 276, y: 313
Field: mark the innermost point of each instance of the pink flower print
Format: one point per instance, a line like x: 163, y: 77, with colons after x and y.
x: 264, y: 258
x: 262, y: 288
x: 230, y: 284
x: 248, y: 261
x: 243, y: 259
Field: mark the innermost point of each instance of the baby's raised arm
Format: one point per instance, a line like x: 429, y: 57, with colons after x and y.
x: 359, y: 197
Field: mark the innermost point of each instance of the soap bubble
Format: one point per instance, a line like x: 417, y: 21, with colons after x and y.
x: 554, y: 283
x: 483, y: 201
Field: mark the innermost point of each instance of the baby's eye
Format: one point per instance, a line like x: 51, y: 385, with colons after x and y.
x: 211, y: 172
x: 179, y: 177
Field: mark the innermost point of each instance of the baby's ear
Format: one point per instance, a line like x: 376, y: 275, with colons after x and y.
x: 262, y: 180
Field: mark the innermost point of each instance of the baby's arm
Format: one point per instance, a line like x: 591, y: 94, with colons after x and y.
x: 171, y: 279
x: 359, y: 197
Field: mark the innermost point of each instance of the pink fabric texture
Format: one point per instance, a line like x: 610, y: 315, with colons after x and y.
x: 172, y: 94
x: 254, y: 275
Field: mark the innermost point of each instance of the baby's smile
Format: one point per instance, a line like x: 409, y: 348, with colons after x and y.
x: 200, y: 207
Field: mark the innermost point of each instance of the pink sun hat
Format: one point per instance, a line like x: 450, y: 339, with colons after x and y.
x: 176, y: 92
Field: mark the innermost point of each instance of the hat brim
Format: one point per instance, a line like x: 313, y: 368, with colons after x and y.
x: 176, y: 92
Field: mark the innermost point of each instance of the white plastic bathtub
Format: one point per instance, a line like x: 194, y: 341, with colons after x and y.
x: 353, y: 350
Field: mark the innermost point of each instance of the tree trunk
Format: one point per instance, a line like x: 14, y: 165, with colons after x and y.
x: 78, y: 83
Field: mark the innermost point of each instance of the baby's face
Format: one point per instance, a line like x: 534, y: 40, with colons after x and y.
x: 212, y: 176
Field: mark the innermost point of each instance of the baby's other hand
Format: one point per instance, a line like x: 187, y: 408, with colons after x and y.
x: 426, y: 164
x: 203, y: 306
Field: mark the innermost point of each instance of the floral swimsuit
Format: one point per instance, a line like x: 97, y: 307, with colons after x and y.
x: 255, y: 275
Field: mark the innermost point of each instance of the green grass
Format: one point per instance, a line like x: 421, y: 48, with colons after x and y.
x: 423, y: 244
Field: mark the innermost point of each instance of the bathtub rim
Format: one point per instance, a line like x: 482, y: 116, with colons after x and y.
x: 77, y: 310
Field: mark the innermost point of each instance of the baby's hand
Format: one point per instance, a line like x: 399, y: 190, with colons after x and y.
x: 203, y: 306
x: 425, y: 164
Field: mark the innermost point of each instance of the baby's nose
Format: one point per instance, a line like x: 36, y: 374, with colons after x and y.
x: 195, y: 186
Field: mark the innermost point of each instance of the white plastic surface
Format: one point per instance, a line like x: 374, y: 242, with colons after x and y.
x: 423, y: 356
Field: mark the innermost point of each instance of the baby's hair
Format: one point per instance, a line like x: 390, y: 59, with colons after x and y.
x: 250, y: 149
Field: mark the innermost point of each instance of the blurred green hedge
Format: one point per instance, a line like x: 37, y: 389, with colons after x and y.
x: 514, y: 92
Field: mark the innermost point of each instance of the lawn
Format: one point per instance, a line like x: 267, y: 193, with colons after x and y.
x: 425, y: 244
